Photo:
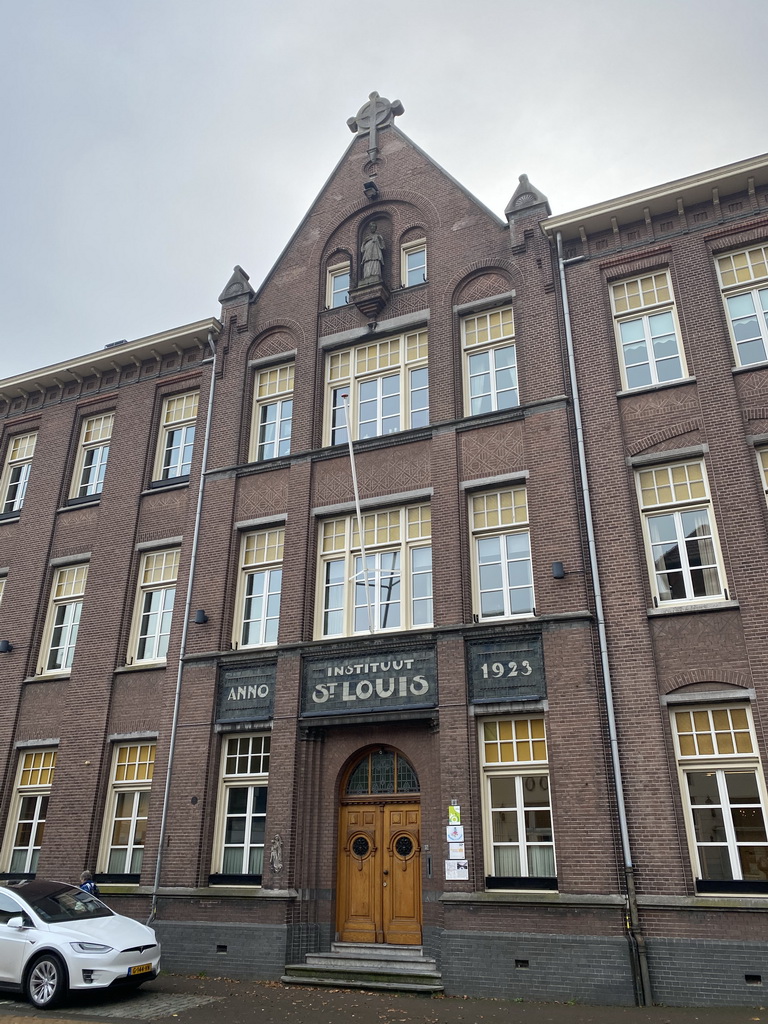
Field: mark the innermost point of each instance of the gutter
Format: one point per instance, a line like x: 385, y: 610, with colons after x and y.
x: 634, y: 933
x: 184, y: 633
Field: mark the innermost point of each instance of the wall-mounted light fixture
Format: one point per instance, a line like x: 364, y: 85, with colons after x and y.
x: 371, y: 190
x: 5, y: 647
x: 559, y: 571
x: 200, y: 617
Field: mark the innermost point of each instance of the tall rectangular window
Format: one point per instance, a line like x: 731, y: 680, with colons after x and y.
x: 18, y: 463
x: 91, y: 465
x: 338, y: 286
x: 503, y: 574
x: 724, y: 797
x: 388, y: 589
x: 647, y: 331
x: 261, y: 580
x: 273, y: 411
x: 517, y: 809
x: 680, y: 535
x: 128, y: 808
x: 744, y: 283
x: 63, y: 620
x: 385, y: 385
x: 177, y: 437
x: 414, y: 263
x: 154, y: 604
x: 239, y: 844
x: 490, y: 362
x: 28, y: 811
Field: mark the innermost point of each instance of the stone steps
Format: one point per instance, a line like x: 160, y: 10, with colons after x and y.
x: 368, y: 966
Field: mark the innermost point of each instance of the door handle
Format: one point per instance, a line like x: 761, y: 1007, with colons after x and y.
x: 385, y: 872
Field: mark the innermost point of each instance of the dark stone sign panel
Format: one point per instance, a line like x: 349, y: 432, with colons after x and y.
x: 375, y: 681
x: 246, y: 693
x: 501, y: 670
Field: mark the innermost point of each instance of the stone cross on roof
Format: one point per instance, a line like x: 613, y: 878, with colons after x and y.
x: 374, y: 114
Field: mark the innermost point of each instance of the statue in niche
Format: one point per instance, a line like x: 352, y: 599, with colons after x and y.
x: 372, y: 251
x: 276, y: 854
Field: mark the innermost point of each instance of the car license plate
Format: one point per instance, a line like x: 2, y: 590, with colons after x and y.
x: 141, y: 969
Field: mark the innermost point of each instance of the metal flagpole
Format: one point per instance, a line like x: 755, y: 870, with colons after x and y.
x: 371, y: 628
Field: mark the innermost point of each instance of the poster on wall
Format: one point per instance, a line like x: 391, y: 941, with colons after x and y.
x: 456, y: 870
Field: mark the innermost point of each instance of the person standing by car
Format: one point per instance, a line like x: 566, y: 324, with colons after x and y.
x: 88, y: 885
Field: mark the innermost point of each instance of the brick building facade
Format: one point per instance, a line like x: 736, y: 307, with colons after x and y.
x: 245, y: 687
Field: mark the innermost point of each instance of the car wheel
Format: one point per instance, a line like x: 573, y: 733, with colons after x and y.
x: 46, y: 981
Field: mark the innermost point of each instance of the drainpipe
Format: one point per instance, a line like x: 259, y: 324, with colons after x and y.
x: 184, y: 631
x: 634, y: 932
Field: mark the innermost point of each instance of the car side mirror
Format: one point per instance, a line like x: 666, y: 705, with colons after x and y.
x: 16, y: 922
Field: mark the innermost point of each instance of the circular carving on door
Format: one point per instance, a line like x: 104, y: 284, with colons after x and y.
x: 360, y: 846
x: 404, y: 846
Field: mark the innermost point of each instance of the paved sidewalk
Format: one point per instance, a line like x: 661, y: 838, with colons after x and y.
x: 174, y: 999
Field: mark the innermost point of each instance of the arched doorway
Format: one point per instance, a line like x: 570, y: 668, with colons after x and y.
x: 379, y: 872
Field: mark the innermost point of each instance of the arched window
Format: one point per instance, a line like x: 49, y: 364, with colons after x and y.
x: 382, y: 771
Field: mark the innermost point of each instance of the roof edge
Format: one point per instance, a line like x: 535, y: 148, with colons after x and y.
x: 105, y: 358
x: 695, y: 188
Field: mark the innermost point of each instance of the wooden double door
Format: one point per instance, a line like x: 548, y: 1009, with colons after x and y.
x: 379, y: 883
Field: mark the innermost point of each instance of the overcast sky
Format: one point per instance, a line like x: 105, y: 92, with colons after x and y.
x: 150, y: 145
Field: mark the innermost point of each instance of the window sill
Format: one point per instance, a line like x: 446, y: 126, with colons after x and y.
x: 142, y: 666
x: 70, y: 503
x: 10, y: 517
x: 166, y: 485
x: 655, y: 387
x: 49, y: 677
x: 514, y: 884
x: 693, y: 608
x: 541, y: 897
x: 762, y: 365
x: 249, y: 881
x: 730, y: 889
x: 704, y: 901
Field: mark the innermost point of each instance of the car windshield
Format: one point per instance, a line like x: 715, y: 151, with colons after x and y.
x: 69, y: 904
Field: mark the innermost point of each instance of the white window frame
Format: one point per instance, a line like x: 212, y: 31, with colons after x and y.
x: 501, y: 537
x: 33, y: 782
x: 719, y: 742
x: 645, y: 316
x: 521, y: 760
x: 413, y: 272
x: 92, y: 456
x: 16, y: 472
x: 387, y: 387
x: 127, y: 810
x: 398, y: 550
x: 257, y: 618
x: 743, y: 277
x: 762, y: 462
x: 176, y: 439
x: 272, y: 413
x: 674, y: 502
x: 490, y: 362
x: 244, y: 765
x: 337, y: 292
x: 153, y: 611
x: 63, y: 619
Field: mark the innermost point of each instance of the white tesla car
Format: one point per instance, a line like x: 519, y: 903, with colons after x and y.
x: 55, y: 937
